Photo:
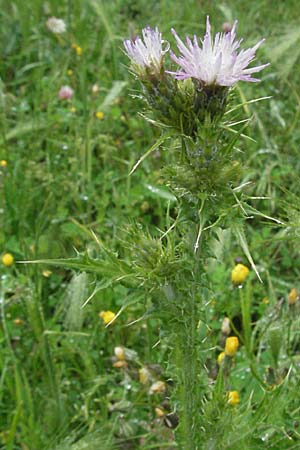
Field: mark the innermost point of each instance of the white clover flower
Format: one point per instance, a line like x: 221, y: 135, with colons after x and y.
x: 146, y: 53
x: 57, y: 26
x: 217, y: 62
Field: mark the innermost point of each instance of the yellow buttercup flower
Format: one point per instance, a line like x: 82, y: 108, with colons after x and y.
x: 220, y: 358
x: 239, y: 274
x: 3, y: 163
x: 231, y: 346
x: 292, y: 297
x: 233, y: 398
x: 99, y: 115
x: 107, y: 316
x: 7, y: 259
x: 70, y: 72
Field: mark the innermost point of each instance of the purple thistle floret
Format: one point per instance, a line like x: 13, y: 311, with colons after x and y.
x: 148, y: 52
x: 217, y: 62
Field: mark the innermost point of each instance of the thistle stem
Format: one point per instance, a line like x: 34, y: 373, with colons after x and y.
x: 187, y: 389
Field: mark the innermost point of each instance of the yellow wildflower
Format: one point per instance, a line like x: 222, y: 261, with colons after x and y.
x: 3, y: 163
x: 7, y: 259
x: 73, y: 109
x: 231, y: 346
x: 239, y: 274
x: 107, y: 316
x: 99, y: 115
x: 220, y: 358
x: 292, y: 297
x: 233, y: 398
x: 70, y: 72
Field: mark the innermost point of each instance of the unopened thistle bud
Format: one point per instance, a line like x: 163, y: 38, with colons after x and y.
x: 292, y: 297
x: 225, y: 328
x: 231, y: 346
x: 239, y: 274
x: 233, y: 398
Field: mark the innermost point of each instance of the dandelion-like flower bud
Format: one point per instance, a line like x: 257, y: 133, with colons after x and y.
x: 217, y: 63
x: 239, y: 274
x: 231, y: 346
x: 233, y: 398
x: 292, y: 297
x: 144, y: 375
x: 146, y: 54
x: 120, y: 353
x: 157, y: 388
x: 220, y: 358
x: 225, y: 328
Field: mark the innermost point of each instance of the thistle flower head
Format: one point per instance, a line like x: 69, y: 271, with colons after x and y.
x: 56, y: 26
x: 217, y: 61
x: 146, y: 53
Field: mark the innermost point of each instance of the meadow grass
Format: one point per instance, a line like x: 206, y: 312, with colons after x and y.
x: 66, y: 188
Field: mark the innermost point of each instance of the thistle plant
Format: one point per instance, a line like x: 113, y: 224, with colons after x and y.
x: 190, y: 97
x: 191, y: 104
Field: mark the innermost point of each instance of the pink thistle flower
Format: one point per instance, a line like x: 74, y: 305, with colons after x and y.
x: 65, y: 93
x: 148, y: 52
x: 217, y: 62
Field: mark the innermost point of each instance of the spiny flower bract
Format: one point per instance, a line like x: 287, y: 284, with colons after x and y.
x: 146, y: 53
x: 217, y: 62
